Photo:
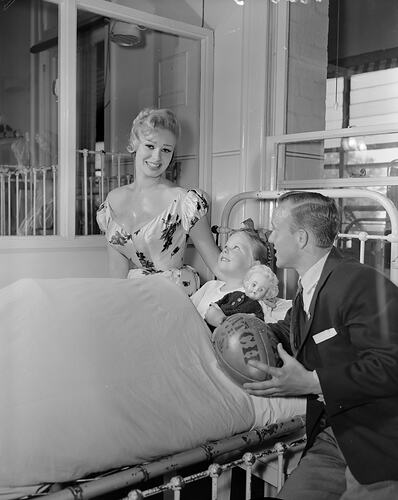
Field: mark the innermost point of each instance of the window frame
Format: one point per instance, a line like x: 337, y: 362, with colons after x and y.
x: 67, y: 63
x: 274, y: 166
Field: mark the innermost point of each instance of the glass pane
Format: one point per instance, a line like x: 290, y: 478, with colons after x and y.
x: 343, y: 64
x: 29, y: 118
x: 123, y: 68
x: 361, y: 157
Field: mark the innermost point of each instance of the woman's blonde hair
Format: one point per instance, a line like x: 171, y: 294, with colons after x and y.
x: 150, y: 119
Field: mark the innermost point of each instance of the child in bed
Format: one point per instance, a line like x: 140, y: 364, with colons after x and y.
x: 243, y: 250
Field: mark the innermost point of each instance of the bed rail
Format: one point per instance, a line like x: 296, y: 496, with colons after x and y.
x: 270, y: 441
x: 362, y: 236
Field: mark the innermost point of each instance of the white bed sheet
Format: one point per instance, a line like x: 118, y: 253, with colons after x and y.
x: 100, y: 373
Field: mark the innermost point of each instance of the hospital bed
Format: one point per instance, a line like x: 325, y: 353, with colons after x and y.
x: 269, y: 451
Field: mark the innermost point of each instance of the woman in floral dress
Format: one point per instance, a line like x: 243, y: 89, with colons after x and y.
x: 147, y: 223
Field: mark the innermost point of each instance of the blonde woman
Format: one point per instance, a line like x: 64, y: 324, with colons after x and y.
x: 147, y: 223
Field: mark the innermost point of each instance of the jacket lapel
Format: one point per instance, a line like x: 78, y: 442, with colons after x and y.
x: 331, y: 262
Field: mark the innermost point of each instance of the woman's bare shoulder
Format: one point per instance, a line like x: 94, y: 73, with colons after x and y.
x: 118, y: 196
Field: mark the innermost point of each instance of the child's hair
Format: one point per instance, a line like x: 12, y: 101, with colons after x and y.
x: 262, y: 249
x: 273, y: 289
x: 150, y: 119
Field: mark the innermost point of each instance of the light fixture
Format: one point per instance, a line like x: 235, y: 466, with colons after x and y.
x: 126, y: 34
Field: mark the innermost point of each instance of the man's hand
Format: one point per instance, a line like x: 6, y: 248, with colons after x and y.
x: 292, y: 379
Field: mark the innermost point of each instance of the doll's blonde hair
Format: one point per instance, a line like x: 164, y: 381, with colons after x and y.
x: 273, y: 289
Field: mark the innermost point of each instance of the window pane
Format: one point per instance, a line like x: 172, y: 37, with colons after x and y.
x: 356, y: 157
x: 29, y: 118
x: 344, y: 54
x: 123, y: 68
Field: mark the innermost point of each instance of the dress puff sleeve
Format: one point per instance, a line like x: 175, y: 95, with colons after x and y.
x: 193, y: 207
x: 103, y: 216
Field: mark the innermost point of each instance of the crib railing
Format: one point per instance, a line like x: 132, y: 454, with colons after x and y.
x: 28, y: 200
x: 28, y: 195
x: 98, y: 172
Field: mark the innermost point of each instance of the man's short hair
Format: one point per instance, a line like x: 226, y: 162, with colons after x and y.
x: 315, y: 213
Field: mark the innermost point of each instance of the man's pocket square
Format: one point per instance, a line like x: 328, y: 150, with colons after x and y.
x: 325, y: 335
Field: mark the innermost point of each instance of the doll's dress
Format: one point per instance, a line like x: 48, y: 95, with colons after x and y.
x: 158, y: 246
x: 238, y: 302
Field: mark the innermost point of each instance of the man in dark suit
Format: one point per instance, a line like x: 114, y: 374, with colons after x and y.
x: 340, y: 348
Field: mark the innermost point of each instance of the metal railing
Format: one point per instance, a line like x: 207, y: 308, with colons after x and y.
x: 28, y: 195
x: 28, y: 200
x: 242, y: 450
x: 362, y: 236
x: 98, y: 172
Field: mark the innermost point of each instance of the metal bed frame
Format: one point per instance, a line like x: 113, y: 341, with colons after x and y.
x: 258, y: 446
x: 264, y: 443
x: 362, y: 236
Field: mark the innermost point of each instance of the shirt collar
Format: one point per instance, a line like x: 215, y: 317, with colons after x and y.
x: 310, y: 278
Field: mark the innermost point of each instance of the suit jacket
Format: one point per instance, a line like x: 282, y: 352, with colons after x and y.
x: 351, y: 340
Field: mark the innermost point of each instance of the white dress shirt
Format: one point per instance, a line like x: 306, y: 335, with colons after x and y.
x: 309, y: 281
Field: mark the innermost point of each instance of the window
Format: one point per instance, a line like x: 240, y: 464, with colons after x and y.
x: 341, y: 126
x: 339, y: 54
x: 86, y: 69
x: 29, y: 119
x: 122, y: 68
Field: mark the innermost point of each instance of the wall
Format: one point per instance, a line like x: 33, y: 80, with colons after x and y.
x: 240, y: 87
x: 49, y: 263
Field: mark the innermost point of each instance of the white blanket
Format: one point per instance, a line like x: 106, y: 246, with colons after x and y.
x: 100, y: 373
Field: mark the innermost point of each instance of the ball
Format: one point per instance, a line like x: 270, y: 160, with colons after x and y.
x: 241, y: 338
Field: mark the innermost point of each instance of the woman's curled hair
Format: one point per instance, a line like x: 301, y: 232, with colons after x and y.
x: 150, y: 119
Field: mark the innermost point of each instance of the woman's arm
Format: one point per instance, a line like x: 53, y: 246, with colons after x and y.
x: 203, y: 240
x: 118, y: 264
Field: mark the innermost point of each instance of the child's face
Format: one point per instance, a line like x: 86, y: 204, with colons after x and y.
x: 256, y: 285
x: 236, y: 257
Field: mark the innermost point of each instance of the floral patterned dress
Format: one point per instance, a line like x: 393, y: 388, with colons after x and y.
x: 158, y: 246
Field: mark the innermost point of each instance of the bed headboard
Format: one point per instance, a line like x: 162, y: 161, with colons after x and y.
x: 361, y: 236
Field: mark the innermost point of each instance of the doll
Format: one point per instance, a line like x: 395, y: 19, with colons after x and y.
x: 259, y: 283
